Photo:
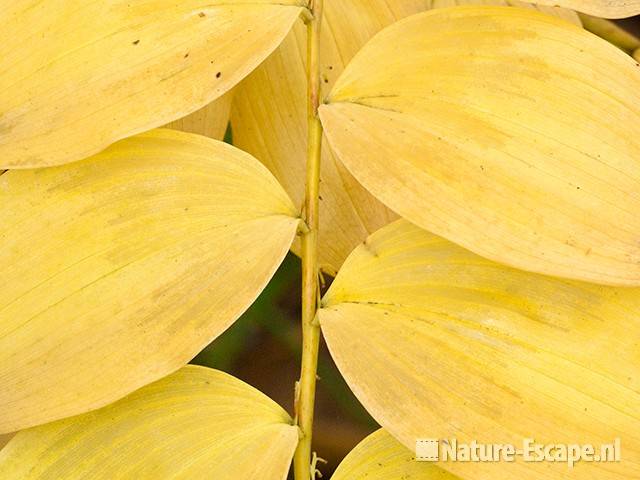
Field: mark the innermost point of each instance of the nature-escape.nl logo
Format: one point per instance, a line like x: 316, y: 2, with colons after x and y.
x: 433, y: 450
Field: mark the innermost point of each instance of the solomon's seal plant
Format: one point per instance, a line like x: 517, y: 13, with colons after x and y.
x: 469, y: 174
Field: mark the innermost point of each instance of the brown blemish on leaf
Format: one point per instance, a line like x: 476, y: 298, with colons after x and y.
x: 135, y: 42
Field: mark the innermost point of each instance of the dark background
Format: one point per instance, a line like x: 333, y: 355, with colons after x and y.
x: 630, y: 24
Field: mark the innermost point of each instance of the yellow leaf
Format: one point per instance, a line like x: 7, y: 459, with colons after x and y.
x: 437, y: 342
x: 269, y: 121
x: 568, y: 15
x: 509, y: 132
x: 599, y: 8
x: 269, y: 118
x: 4, y: 439
x: 197, y: 423
x: 118, y: 269
x: 210, y: 121
x: 80, y: 75
x: 381, y: 457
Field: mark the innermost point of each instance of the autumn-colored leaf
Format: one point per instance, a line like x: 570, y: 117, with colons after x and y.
x: 211, y: 120
x: 437, y: 342
x: 565, y: 14
x: 382, y: 457
x: 269, y: 117
x: 119, y: 269
x: 509, y: 132
x: 80, y: 75
x: 599, y: 8
x: 197, y: 423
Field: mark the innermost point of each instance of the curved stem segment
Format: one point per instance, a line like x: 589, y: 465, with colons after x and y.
x: 611, y: 32
x: 305, y: 397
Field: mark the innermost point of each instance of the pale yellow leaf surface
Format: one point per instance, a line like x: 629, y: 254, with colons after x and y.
x: 269, y: 118
x: 80, y: 75
x: 211, y: 120
x: 382, y: 457
x: 599, y: 8
x: 437, y: 342
x: 269, y: 111
x: 568, y: 15
x: 119, y: 269
x: 197, y: 423
x: 509, y: 132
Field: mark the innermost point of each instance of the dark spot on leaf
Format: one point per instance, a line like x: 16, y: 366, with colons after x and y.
x: 202, y: 14
x: 218, y: 75
x: 186, y: 55
x: 136, y: 42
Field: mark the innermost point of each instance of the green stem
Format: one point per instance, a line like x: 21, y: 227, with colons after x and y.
x: 305, y: 396
x: 611, y: 32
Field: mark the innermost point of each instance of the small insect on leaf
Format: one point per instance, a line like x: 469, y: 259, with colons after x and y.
x: 196, y: 423
x: 80, y: 75
x: 437, y: 342
x: 119, y: 269
x: 507, y: 131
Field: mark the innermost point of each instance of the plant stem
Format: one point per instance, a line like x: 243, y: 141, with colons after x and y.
x: 611, y: 32
x: 305, y: 397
